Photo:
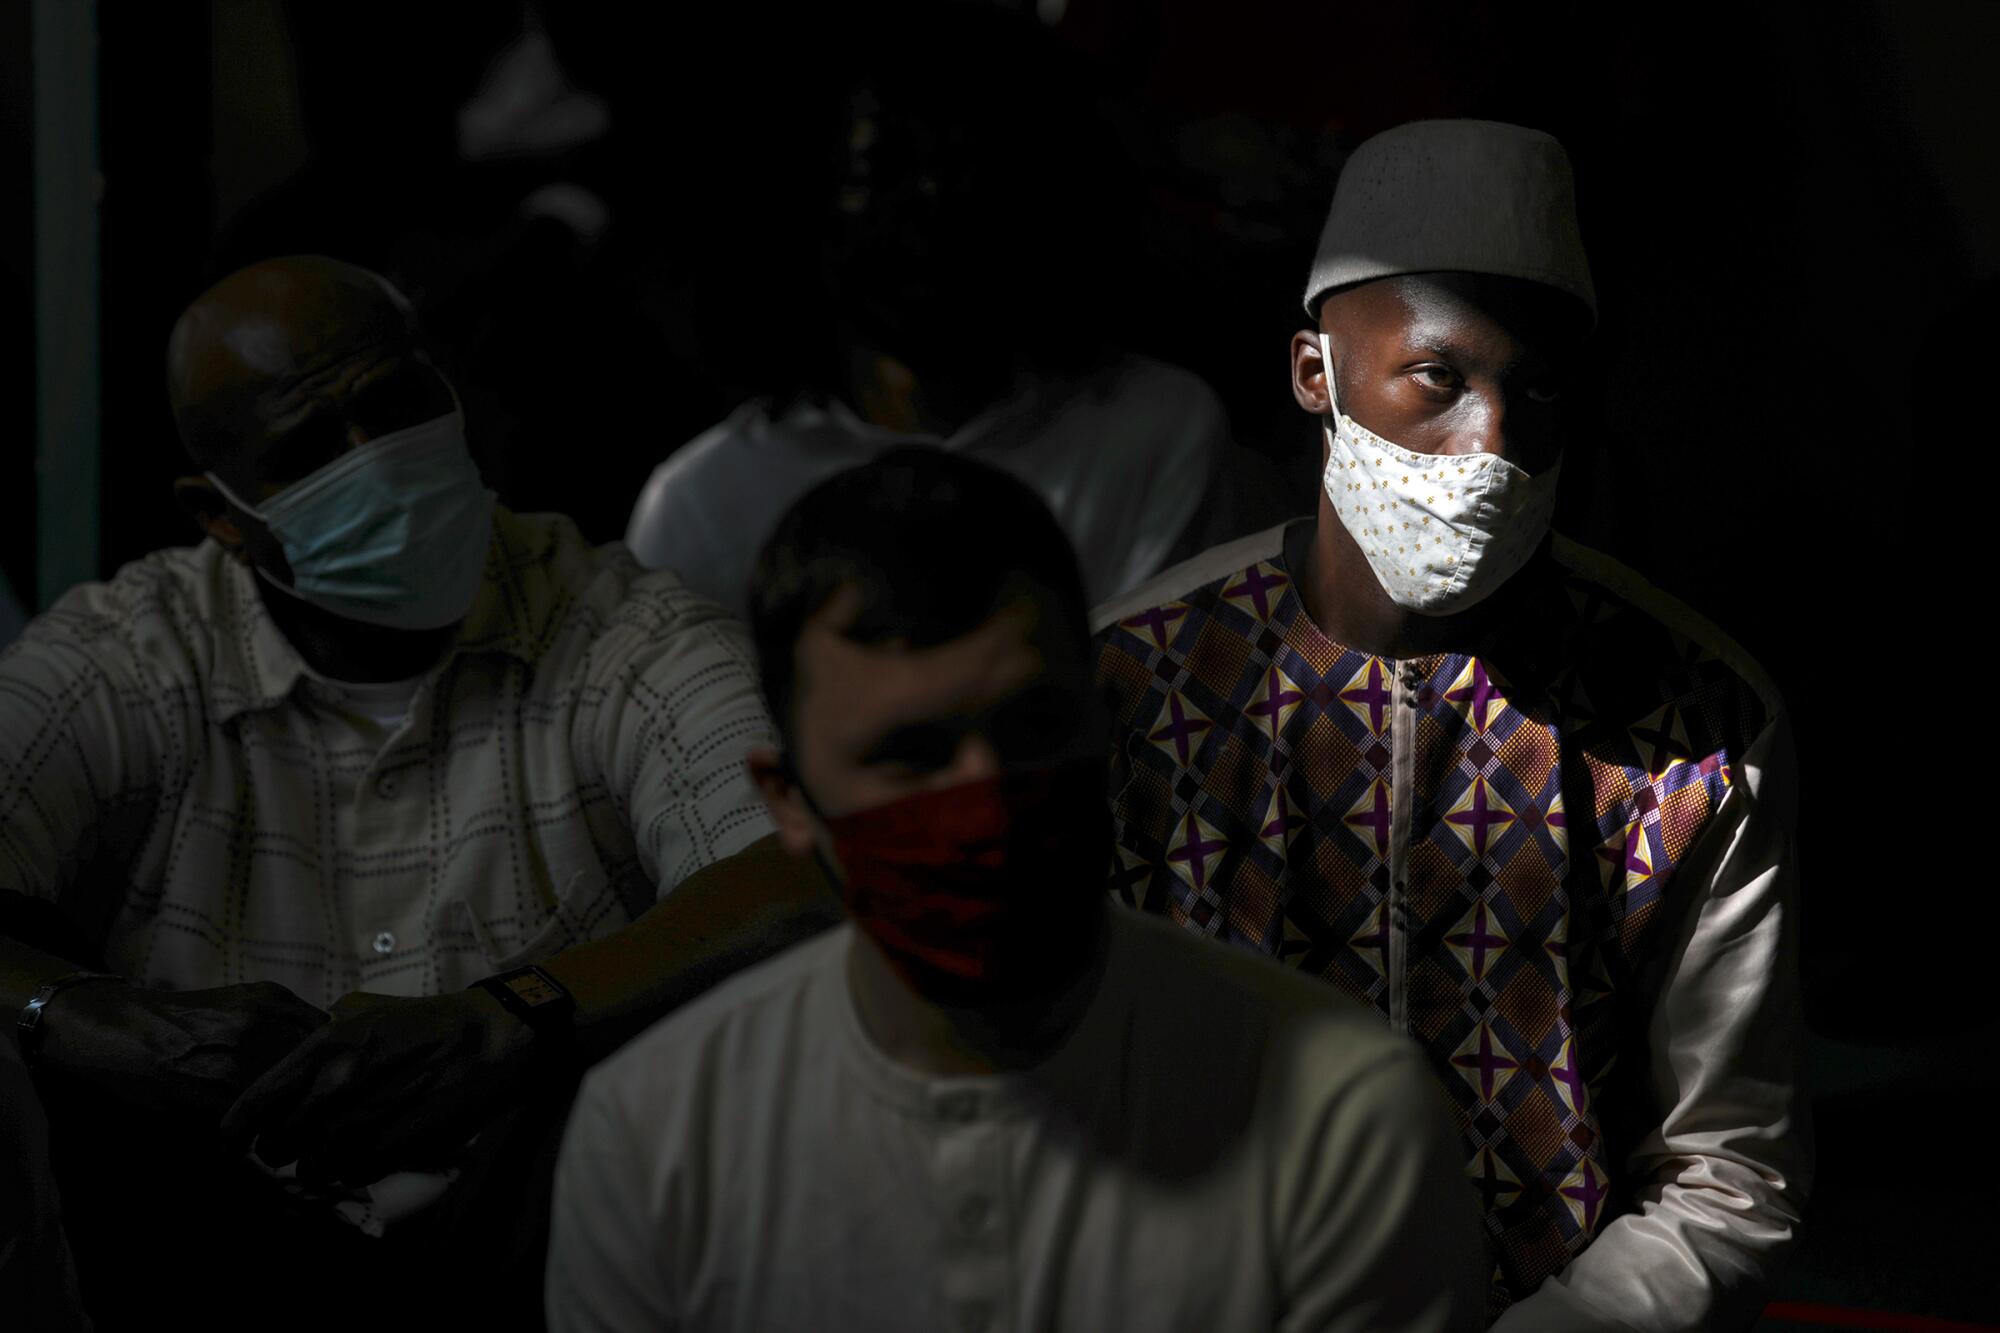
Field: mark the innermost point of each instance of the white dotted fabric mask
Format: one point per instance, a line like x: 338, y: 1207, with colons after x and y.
x: 1441, y: 531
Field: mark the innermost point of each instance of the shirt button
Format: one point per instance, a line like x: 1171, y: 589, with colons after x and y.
x: 387, y: 785
x: 385, y: 943
x: 973, y: 1211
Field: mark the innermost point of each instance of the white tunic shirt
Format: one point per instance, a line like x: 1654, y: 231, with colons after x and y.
x: 1219, y: 1145
x: 1124, y: 459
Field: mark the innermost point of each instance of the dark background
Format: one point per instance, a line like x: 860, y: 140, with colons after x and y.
x: 1793, y: 214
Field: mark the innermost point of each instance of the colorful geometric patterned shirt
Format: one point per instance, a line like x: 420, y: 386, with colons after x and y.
x: 1560, y: 863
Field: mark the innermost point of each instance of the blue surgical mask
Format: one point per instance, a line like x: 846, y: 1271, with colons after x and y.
x: 393, y: 533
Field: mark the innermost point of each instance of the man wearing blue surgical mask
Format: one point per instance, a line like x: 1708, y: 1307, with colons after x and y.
x: 347, y: 485
x: 342, y: 840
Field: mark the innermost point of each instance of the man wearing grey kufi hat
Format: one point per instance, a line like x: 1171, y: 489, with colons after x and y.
x: 1488, y: 781
x: 1463, y: 196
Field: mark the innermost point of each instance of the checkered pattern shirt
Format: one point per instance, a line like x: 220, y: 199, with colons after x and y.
x: 178, y: 783
x: 1561, y: 862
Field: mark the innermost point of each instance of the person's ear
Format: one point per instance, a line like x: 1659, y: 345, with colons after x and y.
x: 201, y: 501
x: 1309, y: 372
x: 784, y: 798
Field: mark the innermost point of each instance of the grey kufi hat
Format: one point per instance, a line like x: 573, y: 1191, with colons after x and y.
x: 1464, y: 196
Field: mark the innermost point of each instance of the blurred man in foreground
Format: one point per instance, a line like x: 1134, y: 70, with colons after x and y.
x: 992, y: 1100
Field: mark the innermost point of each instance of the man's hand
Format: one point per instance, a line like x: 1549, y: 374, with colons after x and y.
x: 183, y: 1054
x: 389, y: 1083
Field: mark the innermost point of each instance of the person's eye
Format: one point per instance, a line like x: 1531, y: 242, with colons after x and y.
x: 913, y: 752
x: 307, y: 447
x: 1543, y: 393
x: 1436, y: 378
x: 399, y: 401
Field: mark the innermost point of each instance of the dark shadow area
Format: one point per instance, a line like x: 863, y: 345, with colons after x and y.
x: 618, y: 223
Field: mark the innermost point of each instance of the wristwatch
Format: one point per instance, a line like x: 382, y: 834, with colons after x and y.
x: 540, y: 1001
x: 29, y: 1024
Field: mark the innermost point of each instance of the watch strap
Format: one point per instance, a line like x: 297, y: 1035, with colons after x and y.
x: 536, y: 998
x: 28, y: 1024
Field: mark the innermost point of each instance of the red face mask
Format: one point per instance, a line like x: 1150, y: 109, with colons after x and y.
x: 986, y: 885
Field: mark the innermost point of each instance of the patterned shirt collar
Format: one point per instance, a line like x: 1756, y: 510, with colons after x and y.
x: 1522, y: 636
x: 256, y: 667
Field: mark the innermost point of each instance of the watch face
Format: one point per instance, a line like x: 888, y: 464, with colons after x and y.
x: 532, y: 988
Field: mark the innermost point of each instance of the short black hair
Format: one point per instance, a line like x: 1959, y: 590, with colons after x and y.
x: 934, y: 543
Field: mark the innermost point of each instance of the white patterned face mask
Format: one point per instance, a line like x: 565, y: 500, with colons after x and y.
x: 1441, y: 531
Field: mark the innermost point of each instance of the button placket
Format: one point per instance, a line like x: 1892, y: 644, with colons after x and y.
x: 974, y: 1211
x: 958, y: 1108
x: 372, y: 827
x: 969, y: 1176
x: 1403, y: 721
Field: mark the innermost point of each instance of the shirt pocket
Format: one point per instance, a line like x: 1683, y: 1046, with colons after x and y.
x: 586, y: 906
x: 521, y: 943
x: 536, y: 932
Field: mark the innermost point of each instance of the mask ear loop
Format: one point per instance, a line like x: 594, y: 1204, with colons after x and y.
x: 789, y: 767
x: 1358, y: 435
x: 1327, y: 373
x: 269, y: 578
x: 234, y: 498
x: 1330, y: 426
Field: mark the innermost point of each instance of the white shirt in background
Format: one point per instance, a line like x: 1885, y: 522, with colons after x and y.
x: 1124, y: 457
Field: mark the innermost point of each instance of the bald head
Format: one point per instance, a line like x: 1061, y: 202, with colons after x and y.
x: 286, y: 363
